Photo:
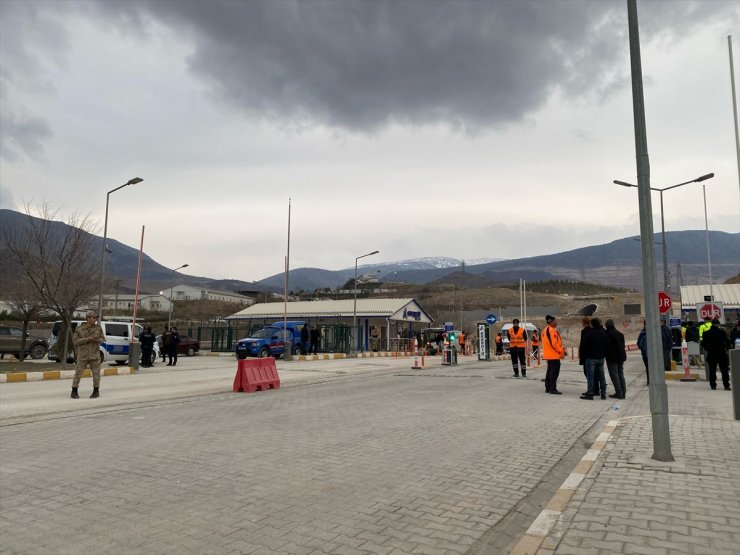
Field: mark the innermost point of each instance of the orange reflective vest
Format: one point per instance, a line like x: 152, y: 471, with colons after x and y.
x: 516, y: 338
x: 552, y: 344
x: 535, y: 340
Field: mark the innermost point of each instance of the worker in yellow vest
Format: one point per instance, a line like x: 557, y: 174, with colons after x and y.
x: 702, y: 328
x: 517, y: 348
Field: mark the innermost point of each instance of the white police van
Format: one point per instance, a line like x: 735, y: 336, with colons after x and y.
x: 116, y: 345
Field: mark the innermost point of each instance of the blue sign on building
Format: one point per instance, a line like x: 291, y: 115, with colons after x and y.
x: 491, y: 319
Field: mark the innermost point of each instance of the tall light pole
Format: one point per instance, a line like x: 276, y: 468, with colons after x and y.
x: 666, y: 277
x: 133, y: 181
x: 709, y: 258
x: 169, y: 318
x: 354, y: 312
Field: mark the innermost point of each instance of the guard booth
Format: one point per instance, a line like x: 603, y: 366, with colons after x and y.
x: 484, y: 341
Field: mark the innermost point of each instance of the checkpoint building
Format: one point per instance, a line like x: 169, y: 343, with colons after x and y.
x: 394, y: 318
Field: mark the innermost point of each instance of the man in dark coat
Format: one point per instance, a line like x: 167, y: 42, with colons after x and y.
x: 593, y: 350
x: 304, y: 338
x: 172, y: 347
x: 615, y: 357
x: 667, y: 338
x: 715, y: 342
x: 146, y: 338
x: 315, y: 339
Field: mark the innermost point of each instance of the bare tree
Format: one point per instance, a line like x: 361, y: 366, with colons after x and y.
x: 24, y: 300
x: 58, y: 260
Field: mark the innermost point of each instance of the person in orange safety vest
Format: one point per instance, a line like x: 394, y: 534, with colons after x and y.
x: 517, y: 347
x: 553, y: 352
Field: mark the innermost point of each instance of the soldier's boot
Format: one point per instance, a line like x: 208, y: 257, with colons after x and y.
x: 524, y: 372
x: 516, y: 373
x: 74, y: 394
x: 95, y: 393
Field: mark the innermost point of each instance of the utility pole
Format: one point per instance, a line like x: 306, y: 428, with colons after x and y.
x: 658, y: 390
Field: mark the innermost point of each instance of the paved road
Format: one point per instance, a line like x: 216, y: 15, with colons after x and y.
x: 357, y: 456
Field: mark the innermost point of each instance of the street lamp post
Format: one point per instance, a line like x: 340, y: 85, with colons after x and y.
x: 169, y: 318
x: 354, y: 312
x: 133, y: 181
x: 666, y: 278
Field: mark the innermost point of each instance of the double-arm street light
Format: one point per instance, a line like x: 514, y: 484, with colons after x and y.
x: 133, y: 181
x: 666, y: 278
x: 354, y: 312
x: 169, y: 318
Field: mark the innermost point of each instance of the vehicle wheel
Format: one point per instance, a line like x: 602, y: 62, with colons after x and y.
x: 191, y: 351
x: 240, y: 356
x: 299, y: 350
x: 38, y: 352
x: 264, y: 352
x: 121, y: 362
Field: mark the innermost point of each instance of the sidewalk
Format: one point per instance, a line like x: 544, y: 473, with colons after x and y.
x: 626, y: 502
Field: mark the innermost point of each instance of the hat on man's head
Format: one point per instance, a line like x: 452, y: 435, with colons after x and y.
x: 549, y: 318
x: 515, y: 321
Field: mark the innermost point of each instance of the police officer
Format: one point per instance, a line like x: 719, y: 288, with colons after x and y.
x: 716, y: 343
x: 87, y: 339
x: 146, y: 338
x: 172, y: 347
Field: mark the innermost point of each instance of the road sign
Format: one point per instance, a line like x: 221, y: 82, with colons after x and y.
x: 491, y: 319
x: 664, y: 302
x: 711, y: 310
x: 448, y: 326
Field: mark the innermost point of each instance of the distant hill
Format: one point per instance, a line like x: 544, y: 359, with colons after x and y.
x: 122, y: 263
x: 618, y: 263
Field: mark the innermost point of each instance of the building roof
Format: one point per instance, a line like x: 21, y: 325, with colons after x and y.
x: 727, y: 294
x: 393, y: 309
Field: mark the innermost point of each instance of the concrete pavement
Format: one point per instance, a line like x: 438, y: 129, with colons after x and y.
x: 350, y: 456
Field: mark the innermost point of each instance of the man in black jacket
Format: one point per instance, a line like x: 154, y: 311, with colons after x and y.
x: 146, y: 338
x: 615, y: 357
x: 593, y: 351
x: 715, y: 342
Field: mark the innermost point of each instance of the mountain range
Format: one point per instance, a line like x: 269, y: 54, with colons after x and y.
x: 617, y: 263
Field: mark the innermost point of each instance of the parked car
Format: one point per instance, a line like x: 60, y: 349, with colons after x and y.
x: 117, y: 339
x: 269, y: 341
x: 10, y: 343
x: 187, y: 346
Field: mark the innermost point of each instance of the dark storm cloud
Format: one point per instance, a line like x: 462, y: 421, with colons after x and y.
x: 359, y: 65
x: 22, y: 136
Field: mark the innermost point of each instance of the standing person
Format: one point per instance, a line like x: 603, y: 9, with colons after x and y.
x: 585, y: 326
x: 146, y: 338
x: 499, y: 344
x: 517, y: 346
x: 165, y: 347
x: 735, y: 336
x: 615, y: 357
x: 375, y: 338
x: 716, y: 343
x: 642, y: 345
x: 553, y: 352
x: 305, y: 345
x: 666, y: 337
x: 692, y: 341
x: 594, y: 352
x: 172, y: 347
x: 702, y: 328
x: 87, y: 339
x: 536, y: 343
x: 461, y: 339
x: 315, y: 339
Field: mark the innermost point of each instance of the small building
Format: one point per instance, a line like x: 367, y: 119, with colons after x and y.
x: 114, y: 303
x: 190, y: 293
x: 394, y: 318
x: 727, y: 294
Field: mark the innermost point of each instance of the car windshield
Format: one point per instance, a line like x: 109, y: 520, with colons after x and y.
x: 265, y: 333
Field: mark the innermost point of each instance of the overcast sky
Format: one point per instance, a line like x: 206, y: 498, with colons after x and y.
x: 417, y: 128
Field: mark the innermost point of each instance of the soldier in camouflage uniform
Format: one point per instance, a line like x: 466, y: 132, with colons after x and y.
x: 87, y: 340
